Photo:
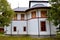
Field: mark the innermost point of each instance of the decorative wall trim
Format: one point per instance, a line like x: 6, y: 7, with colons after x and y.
x: 29, y: 19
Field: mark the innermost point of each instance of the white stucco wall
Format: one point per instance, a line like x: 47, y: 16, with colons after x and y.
x: 32, y: 26
x: 7, y: 29
x: 19, y: 25
x: 47, y: 32
x: 53, y: 28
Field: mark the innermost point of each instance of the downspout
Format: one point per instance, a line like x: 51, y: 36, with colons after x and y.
x: 38, y: 27
x: 50, y: 28
x: 38, y: 24
x: 6, y: 29
x: 27, y: 26
x: 11, y: 28
x: 27, y: 23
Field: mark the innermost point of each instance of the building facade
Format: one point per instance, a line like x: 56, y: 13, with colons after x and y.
x: 31, y: 20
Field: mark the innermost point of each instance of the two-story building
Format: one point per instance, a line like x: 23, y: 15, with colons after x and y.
x: 31, y: 20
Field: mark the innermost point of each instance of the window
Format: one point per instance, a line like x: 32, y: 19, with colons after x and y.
x: 33, y: 14
x: 43, y: 14
x: 15, y: 17
x: 22, y: 16
x: 24, y: 28
x: 43, y: 26
x: 14, y: 28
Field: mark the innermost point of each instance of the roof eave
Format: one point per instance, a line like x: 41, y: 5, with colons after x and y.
x: 20, y: 11
x: 38, y: 8
x: 34, y: 8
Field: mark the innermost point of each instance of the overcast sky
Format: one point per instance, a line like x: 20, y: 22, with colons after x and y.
x: 20, y: 3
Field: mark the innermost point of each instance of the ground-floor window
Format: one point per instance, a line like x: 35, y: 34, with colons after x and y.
x: 43, y: 26
x: 24, y: 28
x: 14, y: 28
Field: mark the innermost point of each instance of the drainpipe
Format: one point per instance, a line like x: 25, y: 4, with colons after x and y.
x: 38, y: 28
x: 50, y: 28
x: 27, y: 27
x: 27, y: 23
x: 38, y: 25
x: 11, y: 28
x: 59, y: 27
x: 6, y: 29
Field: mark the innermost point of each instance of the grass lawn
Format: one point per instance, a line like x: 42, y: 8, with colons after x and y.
x: 27, y: 38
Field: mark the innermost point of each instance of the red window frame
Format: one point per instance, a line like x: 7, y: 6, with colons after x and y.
x: 43, y: 26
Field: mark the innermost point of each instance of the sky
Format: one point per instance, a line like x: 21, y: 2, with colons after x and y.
x: 20, y: 3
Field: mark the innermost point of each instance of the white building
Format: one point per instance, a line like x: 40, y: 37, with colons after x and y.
x: 31, y: 20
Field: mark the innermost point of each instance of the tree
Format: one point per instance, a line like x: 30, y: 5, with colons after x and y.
x: 54, y: 12
x: 7, y: 13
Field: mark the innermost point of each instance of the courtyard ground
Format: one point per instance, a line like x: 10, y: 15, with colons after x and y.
x: 3, y: 37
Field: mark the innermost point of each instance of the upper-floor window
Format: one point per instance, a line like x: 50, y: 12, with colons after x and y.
x: 33, y: 14
x: 15, y: 17
x: 43, y: 14
x: 22, y: 16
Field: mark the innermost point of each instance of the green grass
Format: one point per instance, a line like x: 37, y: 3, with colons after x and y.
x: 27, y: 38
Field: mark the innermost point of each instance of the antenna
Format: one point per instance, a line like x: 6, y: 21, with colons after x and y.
x: 18, y: 3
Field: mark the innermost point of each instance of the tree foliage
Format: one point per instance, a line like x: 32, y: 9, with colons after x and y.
x: 54, y: 12
x: 7, y: 13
